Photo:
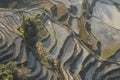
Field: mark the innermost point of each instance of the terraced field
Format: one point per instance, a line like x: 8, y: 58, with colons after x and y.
x: 57, y: 41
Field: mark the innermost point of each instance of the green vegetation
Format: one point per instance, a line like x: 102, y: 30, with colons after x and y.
x: 10, y: 71
x: 33, y: 31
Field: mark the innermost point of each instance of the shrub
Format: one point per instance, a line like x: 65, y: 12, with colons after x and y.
x: 10, y: 71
